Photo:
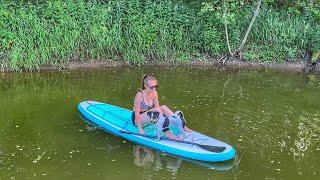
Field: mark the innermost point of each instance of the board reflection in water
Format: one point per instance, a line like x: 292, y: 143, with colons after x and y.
x: 146, y: 157
x: 149, y: 158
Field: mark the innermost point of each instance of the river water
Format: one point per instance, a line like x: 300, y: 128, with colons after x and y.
x: 271, y: 118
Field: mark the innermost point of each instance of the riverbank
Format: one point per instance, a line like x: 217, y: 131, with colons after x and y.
x: 208, y: 62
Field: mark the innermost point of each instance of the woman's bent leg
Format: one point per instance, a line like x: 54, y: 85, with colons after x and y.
x: 166, y: 111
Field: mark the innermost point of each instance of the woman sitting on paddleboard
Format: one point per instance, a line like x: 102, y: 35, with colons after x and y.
x: 148, y: 110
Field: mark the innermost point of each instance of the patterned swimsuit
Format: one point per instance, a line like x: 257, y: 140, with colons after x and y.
x: 143, y: 107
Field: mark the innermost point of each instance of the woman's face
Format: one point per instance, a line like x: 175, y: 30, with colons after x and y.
x: 152, y: 85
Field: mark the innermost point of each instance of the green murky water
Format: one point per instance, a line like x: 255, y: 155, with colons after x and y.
x: 271, y: 118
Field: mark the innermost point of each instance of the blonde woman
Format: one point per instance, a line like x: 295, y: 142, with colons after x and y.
x: 148, y: 110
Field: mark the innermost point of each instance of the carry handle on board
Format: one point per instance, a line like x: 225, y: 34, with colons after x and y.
x: 215, y: 149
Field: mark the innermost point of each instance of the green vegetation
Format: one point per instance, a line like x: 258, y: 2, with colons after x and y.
x: 55, y: 32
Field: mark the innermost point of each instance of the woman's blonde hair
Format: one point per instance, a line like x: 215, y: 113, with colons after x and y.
x: 145, y: 79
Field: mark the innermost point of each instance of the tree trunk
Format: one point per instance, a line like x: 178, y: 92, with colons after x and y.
x: 226, y: 29
x: 249, y: 28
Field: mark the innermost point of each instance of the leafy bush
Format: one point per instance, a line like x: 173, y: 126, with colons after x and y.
x: 55, y: 32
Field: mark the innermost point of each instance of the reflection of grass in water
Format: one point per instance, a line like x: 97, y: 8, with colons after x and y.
x: 308, y: 135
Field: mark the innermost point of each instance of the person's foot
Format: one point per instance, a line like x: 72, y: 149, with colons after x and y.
x: 187, y: 129
x: 179, y: 138
x: 170, y: 135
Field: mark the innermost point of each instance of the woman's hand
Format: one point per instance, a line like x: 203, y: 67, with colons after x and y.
x: 156, y: 99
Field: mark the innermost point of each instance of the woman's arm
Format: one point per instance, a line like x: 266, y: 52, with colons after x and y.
x: 136, y: 108
x: 155, y: 99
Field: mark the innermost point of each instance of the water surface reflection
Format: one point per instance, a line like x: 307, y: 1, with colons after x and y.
x: 155, y: 160
x: 271, y: 118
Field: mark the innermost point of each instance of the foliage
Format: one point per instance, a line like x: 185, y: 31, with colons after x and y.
x: 33, y: 34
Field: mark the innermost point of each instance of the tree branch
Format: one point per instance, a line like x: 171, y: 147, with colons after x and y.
x: 250, y: 26
x: 226, y: 29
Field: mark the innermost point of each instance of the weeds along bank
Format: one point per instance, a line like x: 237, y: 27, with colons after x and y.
x: 55, y: 32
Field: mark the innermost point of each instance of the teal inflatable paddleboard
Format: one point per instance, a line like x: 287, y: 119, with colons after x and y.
x: 117, y: 121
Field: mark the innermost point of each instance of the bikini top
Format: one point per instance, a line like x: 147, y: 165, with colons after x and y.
x: 144, y: 106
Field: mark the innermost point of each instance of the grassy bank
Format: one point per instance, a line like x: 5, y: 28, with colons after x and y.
x: 56, y: 32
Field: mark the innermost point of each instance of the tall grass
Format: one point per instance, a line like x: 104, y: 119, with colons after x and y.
x: 56, y: 32
x: 279, y: 36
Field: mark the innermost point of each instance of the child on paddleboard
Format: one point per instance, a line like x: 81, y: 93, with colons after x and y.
x: 148, y: 110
